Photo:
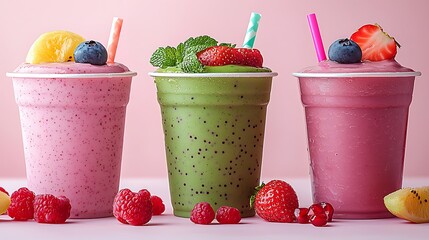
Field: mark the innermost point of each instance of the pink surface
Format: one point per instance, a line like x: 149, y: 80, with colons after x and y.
x: 167, y: 226
x: 283, y: 38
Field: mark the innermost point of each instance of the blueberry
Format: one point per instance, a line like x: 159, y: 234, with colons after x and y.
x: 90, y: 52
x: 345, y: 51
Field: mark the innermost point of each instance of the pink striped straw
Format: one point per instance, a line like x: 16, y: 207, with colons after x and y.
x: 112, y: 45
x: 317, y: 39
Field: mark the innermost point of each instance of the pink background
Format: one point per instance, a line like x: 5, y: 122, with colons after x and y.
x: 283, y: 38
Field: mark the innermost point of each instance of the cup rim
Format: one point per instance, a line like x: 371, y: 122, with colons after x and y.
x: 356, y: 74
x: 214, y: 75
x: 70, y: 75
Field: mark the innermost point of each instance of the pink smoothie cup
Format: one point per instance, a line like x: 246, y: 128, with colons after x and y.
x: 356, y: 127
x: 73, y: 130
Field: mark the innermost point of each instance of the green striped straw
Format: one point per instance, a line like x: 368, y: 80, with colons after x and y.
x: 249, y: 39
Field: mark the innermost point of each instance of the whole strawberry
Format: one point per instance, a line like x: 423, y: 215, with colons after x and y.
x: 276, y: 201
x: 51, y: 209
x: 21, y: 207
x: 132, y: 208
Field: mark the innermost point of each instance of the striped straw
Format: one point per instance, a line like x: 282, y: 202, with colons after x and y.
x: 112, y: 45
x: 249, y: 39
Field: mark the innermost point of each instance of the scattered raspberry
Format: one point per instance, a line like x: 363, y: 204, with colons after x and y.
x: 51, y: 209
x: 132, y: 208
x: 228, y: 215
x: 21, y: 207
x: 2, y: 190
x: 202, y: 213
x: 158, y: 206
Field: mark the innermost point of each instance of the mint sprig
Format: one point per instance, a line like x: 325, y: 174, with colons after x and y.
x: 184, y: 55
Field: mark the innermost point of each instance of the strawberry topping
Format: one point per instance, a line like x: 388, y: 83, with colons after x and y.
x: 376, y: 45
x: 223, y: 55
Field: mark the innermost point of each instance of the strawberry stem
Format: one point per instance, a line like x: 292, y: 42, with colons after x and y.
x: 253, y: 197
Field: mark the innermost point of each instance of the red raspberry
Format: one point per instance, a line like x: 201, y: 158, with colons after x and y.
x: 21, y: 207
x: 132, y: 208
x: 228, y: 215
x: 51, y: 209
x: 2, y: 190
x: 202, y: 213
x: 158, y: 206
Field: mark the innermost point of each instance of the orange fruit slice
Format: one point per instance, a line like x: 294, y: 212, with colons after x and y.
x: 411, y: 204
x: 55, y: 46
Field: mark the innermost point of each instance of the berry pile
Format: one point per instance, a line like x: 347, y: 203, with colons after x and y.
x: 44, y: 208
x: 318, y: 214
x: 277, y: 201
x: 136, y: 208
x: 368, y: 43
x: 203, y: 213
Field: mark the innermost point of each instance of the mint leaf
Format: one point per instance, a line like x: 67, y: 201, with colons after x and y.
x: 228, y: 45
x: 191, y: 64
x: 195, y: 49
x: 180, y: 51
x: 164, y: 57
x: 201, y: 40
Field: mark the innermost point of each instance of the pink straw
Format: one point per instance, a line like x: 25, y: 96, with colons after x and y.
x: 317, y: 39
x: 112, y: 45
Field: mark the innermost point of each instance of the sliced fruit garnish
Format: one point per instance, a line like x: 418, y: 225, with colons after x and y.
x: 411, y: 204
x: 4, y: 202
x: 55, y: 46
x: 376, y: 45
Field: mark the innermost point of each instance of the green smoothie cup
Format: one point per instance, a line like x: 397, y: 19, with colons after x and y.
x: 214, y: 133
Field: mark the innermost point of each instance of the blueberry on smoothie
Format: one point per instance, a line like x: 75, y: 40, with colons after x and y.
x: 90, y: 52
x: 345, y: 51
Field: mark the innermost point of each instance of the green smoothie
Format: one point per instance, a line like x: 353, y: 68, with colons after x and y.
x: 214, y: 132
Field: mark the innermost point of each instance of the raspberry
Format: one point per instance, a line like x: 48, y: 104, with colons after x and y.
x: 228, y: 215
x: 132, y: 208
x: 158, y: 206
x: 21, y: 207
x: 2, y: 190
x: 202, y: 213
x: 51, y: 209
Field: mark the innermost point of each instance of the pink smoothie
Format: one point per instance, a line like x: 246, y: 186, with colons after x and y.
x: 73, y: 128
x: 356, y: 126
